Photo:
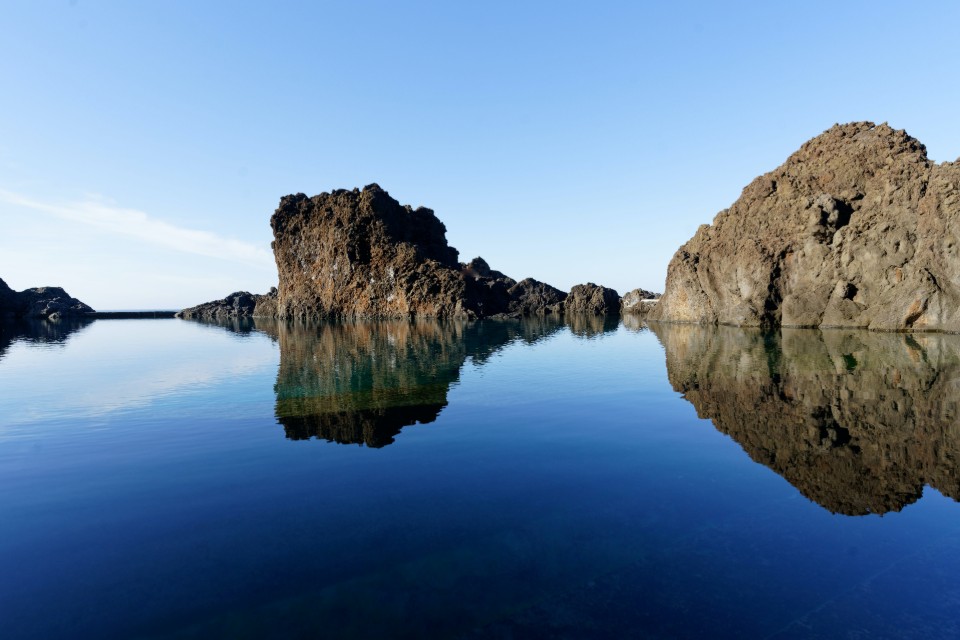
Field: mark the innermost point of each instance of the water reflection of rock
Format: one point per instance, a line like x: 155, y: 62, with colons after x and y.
x: 362, y: 382
x: 38, y: 331
x: 858, y: 421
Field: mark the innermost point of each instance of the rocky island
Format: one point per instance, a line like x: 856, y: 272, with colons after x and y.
x: 858, y: 228
x: 39, y: 302
x: 361, y: 254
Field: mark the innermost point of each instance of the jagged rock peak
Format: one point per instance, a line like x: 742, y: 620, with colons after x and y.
x: 361, y: 253
x: 858, y: 228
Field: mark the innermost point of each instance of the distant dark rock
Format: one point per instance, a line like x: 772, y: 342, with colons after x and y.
x: 240, y: 304
x: 592, y: 299
x: 40, y: 302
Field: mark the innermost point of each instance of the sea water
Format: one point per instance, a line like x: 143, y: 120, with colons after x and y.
x: 498, y: 479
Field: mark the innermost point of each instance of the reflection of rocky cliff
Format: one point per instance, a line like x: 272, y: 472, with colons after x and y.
x: 362, y: 382
x: 858, y: 421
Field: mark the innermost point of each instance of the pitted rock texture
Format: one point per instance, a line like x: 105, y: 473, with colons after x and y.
x: 360, y: 254
x: 856, y: 229
x: 592, y: 299
x: 240, y: 304
x: 39, y: 302
x: 857, y: 421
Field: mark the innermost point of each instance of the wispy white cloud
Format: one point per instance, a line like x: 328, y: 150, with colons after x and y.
x: 137, y: 224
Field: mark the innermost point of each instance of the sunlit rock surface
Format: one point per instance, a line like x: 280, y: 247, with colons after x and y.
x: 858, y: 228
x: 360, y: 254
x: 857, y: 421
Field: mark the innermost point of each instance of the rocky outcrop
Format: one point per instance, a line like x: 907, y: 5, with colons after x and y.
x: 40, y: 302
x: 360, y: 254
x: 592, y: 299
x: 856, y: 229
x: 240, y: 304
x: 857, y: 421
x: 638, y: 302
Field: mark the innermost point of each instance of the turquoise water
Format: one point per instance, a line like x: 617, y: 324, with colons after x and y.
x: 171, y: 479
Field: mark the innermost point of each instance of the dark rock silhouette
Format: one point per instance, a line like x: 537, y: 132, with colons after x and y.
x: 240, y: 304
x: 857, y: 421
x: 856, y: 229
x: 39, y: 302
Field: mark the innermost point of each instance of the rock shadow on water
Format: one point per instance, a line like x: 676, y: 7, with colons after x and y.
x: 857, y: 421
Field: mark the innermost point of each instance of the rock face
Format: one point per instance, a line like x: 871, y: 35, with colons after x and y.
x: 39, y: 302
x: 360, y: 254
x: 857, y: 421
x: 856, y: 229
x: 592, y: 299
x: 240, y: 304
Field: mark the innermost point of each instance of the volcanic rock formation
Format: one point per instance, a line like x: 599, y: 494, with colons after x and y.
x: 360, y: 254
x: 39, y: 302
x: 240, y: 304
x: 857, y: 421
x: 592, y: 299
x: 856, y: 229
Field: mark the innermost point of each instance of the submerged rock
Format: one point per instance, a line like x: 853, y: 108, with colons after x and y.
x: 40, y: 302
x: 856, y: 229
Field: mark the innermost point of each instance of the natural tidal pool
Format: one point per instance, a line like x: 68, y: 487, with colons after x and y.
x: 172, y: 479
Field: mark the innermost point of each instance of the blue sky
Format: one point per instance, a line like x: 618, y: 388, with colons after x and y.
x: 144, y: 145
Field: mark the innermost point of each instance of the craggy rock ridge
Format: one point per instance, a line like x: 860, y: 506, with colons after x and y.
x: 857, y: 421
x: 856, y: 229
x: 240, y: 304
x: 360, y: 254
x: 40, y: 302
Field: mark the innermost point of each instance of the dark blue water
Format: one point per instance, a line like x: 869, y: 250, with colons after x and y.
x: 169, y: 479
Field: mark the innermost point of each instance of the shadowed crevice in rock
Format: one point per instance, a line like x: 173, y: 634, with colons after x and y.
x: 857, y: 421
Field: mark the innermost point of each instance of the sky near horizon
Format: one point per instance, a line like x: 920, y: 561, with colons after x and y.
x: 144, y: 145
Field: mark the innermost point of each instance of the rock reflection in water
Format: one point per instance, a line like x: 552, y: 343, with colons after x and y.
x: 38, y: 331
x: 362, y: 382
x: 857, y: 421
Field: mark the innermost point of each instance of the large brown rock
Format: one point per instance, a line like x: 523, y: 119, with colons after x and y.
x: 592, y: 299
x: 360, y: 254
x: 856, y: 229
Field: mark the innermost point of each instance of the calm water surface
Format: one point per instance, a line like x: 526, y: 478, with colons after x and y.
x: 171, y: 479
